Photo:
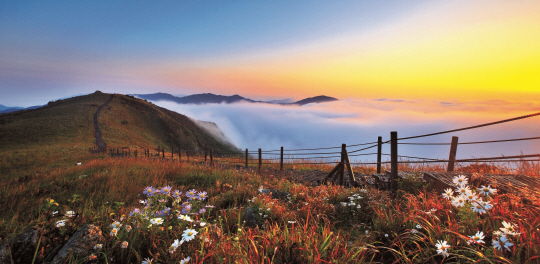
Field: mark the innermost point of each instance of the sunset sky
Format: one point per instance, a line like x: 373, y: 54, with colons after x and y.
x: 405, y: 50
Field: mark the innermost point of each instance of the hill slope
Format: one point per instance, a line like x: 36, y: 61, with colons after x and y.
x: 61, y: 132
x: 135, y: 123
x: 67, y: 121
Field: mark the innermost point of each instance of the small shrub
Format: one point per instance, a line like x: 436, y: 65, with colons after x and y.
x: 412, y: 184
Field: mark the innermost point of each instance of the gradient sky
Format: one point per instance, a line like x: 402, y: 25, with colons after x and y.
x: 408, y: 50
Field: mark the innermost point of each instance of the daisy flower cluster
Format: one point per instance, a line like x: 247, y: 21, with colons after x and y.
x: 165, y: 207
x: 156, y: 207
x: 259, y: 207
x: 465, y: 196
x: 354, y: 201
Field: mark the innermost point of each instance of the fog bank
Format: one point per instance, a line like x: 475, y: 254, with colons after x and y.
x: 354, y: 121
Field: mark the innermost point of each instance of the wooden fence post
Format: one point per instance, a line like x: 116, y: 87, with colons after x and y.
x: 260, y: 160
x: 179, y: 154
x: 452, y: 157
x: 163, y: 153
x: 205, y: 153
x: 172, y: 152
x: 211, y: 157
x: 379, y: 153
x: 187, y: 153
x: 281, y: 160
x: 342, y: 169
x: 247, y: 158
x: 352, y: 180
x: 393, y: 160
x: 135, y: 153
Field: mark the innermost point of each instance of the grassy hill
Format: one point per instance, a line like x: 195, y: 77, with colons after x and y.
x: 131, y: 122
x: 59, y: 134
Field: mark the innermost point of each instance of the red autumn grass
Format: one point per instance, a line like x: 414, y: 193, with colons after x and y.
x: 313, y: 226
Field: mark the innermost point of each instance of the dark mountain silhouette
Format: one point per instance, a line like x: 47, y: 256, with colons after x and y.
x: 316, y: 100
x: 7, y: 109
x: 208, y: 98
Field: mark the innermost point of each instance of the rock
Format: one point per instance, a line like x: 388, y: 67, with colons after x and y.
x: 277, y: 194
x: 23, y: 246
x: 250, y: 218
x: 80, y: 245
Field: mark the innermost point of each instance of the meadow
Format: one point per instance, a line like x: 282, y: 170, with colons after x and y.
x: 160, y: 211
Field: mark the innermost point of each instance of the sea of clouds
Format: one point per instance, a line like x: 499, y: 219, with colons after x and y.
x: 355, y: 121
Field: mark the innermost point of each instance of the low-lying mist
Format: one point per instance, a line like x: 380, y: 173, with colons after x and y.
x: 354, y: 121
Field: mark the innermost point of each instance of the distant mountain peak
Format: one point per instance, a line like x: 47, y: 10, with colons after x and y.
x: 210, y: 98
x: 316, y: 100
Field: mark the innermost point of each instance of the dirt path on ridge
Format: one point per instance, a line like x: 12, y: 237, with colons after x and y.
x: 99, y: 141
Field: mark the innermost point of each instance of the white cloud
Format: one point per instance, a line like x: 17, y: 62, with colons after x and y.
x: 354, y: 121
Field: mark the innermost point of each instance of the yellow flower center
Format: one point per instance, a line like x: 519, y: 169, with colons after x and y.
x: 189, y: 234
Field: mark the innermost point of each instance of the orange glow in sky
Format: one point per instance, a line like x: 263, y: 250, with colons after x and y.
x: 443, y: 50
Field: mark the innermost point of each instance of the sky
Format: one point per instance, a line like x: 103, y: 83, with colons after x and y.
x: 439, y: 50
x: 410, y: 66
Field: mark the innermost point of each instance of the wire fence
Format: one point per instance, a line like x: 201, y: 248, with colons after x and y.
x: 321, y: 156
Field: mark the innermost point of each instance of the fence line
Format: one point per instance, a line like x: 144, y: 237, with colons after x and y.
x: 344, y: 154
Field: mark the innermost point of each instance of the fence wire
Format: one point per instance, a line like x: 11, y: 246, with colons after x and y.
x: 471, y: 127
x: 291, y: 156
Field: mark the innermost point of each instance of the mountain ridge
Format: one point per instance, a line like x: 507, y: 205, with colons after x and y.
x: 209, y: 98
x: 204, y: 98
x: 125, y: 122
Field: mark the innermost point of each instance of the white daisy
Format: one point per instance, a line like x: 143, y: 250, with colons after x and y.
x: 460, y: 180
x: 157, y: 221
x: 477, y: 207
x: 477, y: 238
x: 509, y: 229
x: 458, y: 201
x: 189, y: 234
x: 448, y: 194
x: 442, y: 248
x: 116, y: 224
x: 147, y: 261
x: 486, y: 190
x: 502, y: 243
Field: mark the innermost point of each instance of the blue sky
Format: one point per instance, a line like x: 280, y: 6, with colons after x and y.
x: 436, y: 50
x: 51, y: 49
